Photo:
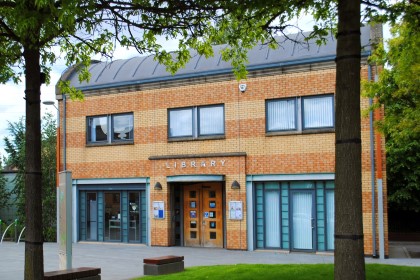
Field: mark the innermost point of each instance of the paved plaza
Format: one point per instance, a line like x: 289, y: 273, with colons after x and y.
x: 124, y: 261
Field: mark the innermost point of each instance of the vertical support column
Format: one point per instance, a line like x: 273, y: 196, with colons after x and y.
x: 65, y: 217
x: 250, y: 217
x: 58, y: 159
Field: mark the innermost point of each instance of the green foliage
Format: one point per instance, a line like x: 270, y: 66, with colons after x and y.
x: 82, y: 29
x: 49, y: 173
x: 30, y: 29
x: 287, y: 271
x: 398, y: 89
x: 15, y: 149
x: 4, y: 194
x: 13, y: 232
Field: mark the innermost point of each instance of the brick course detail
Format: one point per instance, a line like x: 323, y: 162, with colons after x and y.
x: 245, y: 132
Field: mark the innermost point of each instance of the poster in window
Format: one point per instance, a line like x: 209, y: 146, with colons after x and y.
x: 158, y: 209
x: 235, y: 210
x: 212, y: 204
x: 193, y: 214
x: 192, y: 204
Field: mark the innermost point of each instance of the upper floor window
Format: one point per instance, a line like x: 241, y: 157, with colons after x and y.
x: 110, y: 128
x: 300, y: 113
x: 196, y: 122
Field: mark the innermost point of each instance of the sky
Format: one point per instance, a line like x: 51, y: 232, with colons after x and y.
x: 12, y: 105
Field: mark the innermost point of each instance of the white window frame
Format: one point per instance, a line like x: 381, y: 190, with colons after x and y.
x: 195, y: 125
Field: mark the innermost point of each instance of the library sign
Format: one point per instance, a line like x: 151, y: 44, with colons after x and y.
x: 194, y: 164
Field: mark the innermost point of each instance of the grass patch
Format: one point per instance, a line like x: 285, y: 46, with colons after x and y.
x: 287, y: 272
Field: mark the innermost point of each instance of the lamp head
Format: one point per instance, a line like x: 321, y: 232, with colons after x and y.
x: 48, y: 102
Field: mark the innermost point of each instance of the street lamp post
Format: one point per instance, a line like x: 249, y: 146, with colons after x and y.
x: 58, y: 157
x: 64, y: 199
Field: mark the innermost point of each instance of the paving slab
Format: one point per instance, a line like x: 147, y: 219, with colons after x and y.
x: 125, y: 261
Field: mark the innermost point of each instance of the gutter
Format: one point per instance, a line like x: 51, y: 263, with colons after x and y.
x: 372, y: 169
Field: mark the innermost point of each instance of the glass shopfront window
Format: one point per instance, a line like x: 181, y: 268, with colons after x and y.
x: 113, y: 215
x: 294, y: 215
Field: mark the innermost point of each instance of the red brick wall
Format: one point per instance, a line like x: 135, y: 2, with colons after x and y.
x: 245, y: 132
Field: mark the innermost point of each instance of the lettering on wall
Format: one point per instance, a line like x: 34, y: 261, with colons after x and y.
x: 195, y: 164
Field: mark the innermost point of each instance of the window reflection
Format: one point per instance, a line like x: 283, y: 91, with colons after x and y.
x: 112, y: 217
x: 134, y: 221
x: 122, y: 127
x: 92, y: 217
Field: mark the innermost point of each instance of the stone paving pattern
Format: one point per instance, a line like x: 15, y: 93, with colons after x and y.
x: 125, y: 261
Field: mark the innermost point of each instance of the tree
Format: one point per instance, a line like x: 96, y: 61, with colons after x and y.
x: 30, y: 31
x: 15, y: 149
x: 4, y: 194
x: 30, y: 28
x: 349, y: 262
x: 349, y: 253
x: 397, y: 89
x: 49, y: 173
x: 349, y: 248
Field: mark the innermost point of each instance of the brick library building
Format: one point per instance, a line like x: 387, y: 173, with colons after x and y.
x: 200, y: 159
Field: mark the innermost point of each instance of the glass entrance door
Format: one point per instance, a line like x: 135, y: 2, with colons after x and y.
x: 303, y: 220
x: 113, y: 216
x: 134, y: 217
x: 272, y: 218
x: 92, y: 217
x: 203, y: 218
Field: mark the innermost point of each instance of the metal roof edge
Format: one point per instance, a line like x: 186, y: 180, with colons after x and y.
x: 213, y: 72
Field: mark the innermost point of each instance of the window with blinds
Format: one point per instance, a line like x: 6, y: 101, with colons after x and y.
x: 300, y: 113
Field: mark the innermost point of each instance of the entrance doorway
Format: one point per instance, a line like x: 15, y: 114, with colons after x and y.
x: 92, y: 217
x: 113, y: 216
x: 303, y: 220
x: 203, y: 215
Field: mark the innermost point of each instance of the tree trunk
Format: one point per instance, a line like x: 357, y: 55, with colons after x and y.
x: 349, y: 262
x: 34, y: 259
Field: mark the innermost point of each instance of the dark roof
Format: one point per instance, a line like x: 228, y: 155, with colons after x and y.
x: 141, y: 70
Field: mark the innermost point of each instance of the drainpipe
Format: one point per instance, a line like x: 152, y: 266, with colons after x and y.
x: 58, y: 158
x: 372, y: 168
x: 378, y: 142
x: 376, y: 36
